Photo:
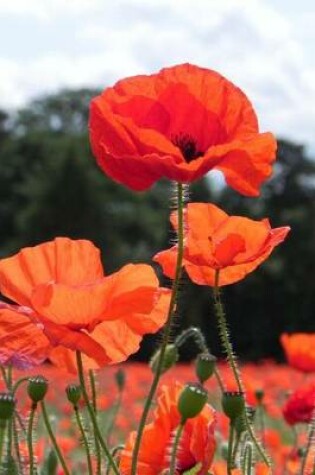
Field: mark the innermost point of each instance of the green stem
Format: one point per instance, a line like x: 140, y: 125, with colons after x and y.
x: 94, y: 403
x: 96, y: 428
x: 199, y: 339
x: 179, y: 432
x: 30, y: 439
x: 167, y: 328
x: 2, y: 434
x: 227, y: 346
x: 53, y: 439
x: 16, y: 445
x: 230, y: 450
x: 84, y: 439
x: 310, y: 445
x: 235, y: 448
x: 17, y: 384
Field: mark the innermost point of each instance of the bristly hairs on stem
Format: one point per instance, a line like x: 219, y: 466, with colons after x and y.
x: 232, y: 360
x: 310, y: 448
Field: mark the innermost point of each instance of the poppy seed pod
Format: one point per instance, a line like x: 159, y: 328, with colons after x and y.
x: 205, y: 365
x: 7, y: 405
x: 233, y: 405
x: 191, y: 400
x: 74, y: 393
x: 37, y: 388
x: 170, y: 358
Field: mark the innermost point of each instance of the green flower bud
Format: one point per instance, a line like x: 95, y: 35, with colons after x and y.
x: 170, y: 358
x: 233, y: 404
x: 7, y: 405
x: 120, y: 377
x: 205, y: 365
x: 37, y: 388
x: 259, y: 394
x: 74, y: 393
x: 191, y: 400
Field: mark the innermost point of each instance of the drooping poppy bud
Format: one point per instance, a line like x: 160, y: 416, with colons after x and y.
x: 191, y: 400
x: 120, y: 377
x: 170, y: 358
x: 259, y: 394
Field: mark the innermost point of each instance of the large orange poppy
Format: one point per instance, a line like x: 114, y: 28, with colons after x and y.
x: 197, y: 444
x: 300, y: 350
x: 179, y: 124
x: 63, y: 282
x: 215, y: 241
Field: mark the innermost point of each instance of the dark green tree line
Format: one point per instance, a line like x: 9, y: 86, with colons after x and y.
x: 50, y: 185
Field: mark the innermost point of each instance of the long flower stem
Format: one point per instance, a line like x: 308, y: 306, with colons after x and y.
x: 90, y: 409
x: 96, y: 442
x: 167, y: 328
x: 53, y: 439
x: 2, y: 436
x: 227, y: 346
x: 30, y: 439
x: 178, y: 435
x: 309, y: 447
x: 230, y: 449
x: 84, y: 440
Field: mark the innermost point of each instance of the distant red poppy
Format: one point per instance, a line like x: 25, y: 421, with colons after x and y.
x: 300, y: 406
x: 179, y: 124
x: 22, y: 343
x: 300, y: 350
x: 197, y: 444
x: 215, y: 241
x: 63, y: 282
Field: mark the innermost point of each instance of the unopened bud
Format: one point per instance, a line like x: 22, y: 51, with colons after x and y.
x: 170, y: 358
x: 205, y: 365
x: 37, y: 388
x: 233, y: 404
x: 7, y: 405
x: 192, y: 400
x: 74, y: 393
x: 120, y: 377
x: 259, y: 394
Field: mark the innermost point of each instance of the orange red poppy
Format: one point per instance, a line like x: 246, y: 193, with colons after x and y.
x: 179, y: 124
x: 300, y: 350
x: 63, y: 288
x: 197, y: 444
x: 215, y: 241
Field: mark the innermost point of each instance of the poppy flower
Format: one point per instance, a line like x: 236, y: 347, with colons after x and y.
x: 61, y: 284
x: 197, y: 444
x: 300, y: 350
x: 22, y: 343
x: 300, y: 406
x: 215, y: 241
x: 179, y: 124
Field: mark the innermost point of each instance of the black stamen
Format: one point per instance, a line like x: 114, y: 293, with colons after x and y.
x: 187, y: 146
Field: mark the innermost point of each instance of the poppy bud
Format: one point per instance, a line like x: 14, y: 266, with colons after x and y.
x: 191, y: 400
x: 37, y: 388
x: 233, y: 404
x: 74, y: 393
x: 120, y: 377
x: 259, y: 394
x: 7, y: 405
x: 170, y: 358
x: 205, y: 364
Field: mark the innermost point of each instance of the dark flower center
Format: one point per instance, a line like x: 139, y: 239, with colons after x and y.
x: 188, y: 146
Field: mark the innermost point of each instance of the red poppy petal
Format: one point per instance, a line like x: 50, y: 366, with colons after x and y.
x: 22, y: 343
x: 62, y: 260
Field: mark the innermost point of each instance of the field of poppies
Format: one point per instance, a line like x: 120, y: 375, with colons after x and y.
x: 65, y: 324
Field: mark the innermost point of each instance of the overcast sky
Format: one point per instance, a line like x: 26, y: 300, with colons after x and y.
x: 266, y: 47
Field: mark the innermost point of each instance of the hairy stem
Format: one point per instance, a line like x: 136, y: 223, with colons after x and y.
x: 84, y: 440
x: 167, y: 328
x: 179, y: 432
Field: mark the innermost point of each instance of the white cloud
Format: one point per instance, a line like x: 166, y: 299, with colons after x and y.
x: 248, y: 41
